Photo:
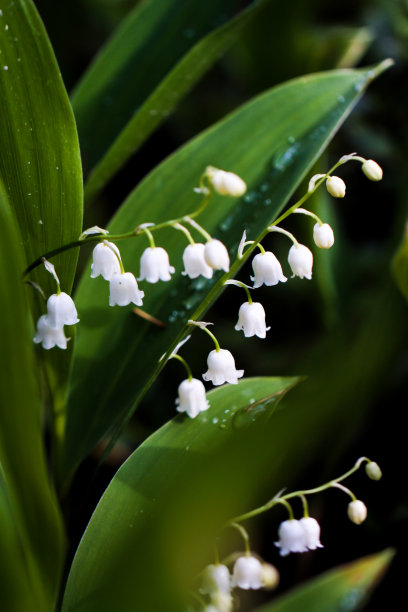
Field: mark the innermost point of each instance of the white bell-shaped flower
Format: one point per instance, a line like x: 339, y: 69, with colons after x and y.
x: 292, y: 537
x: 106, y: 257
x: 311, y: 530
x: 323, y: 235
x: 336, y: 186
x: 221, y: 368
x: 357, y: 511
x: 49, y: 336
x: 191, y: 397
x: 123, y: 289
x: 216, y: 255
x: 247, y: 573
x: 61, y: 310
x: 215, y: 578
x: 155, y: 265
x: 251, y: 319
x: 267, y: 270
x: 372, y: 170
x: 301, y: 261
x: 194, y: 262
x: 226, y: 183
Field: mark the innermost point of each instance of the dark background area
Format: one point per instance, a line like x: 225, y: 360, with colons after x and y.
x: 307, y: 318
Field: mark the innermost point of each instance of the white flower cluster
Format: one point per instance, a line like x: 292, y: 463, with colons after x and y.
x: 297, y: 536
x: 50, y: 327
x: 248, y: 573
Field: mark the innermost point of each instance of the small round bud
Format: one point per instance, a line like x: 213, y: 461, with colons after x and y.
x: 336, y: 186
x: 269, y: 576
x: 357, y: 511
x: 226, y: 183
x: 323, y: 236
x: 372, y: 170
x: 373, y: 470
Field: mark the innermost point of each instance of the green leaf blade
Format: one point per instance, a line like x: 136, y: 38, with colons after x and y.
x: 40, y: 164
x: 37, y: 524
x: 343, y: 588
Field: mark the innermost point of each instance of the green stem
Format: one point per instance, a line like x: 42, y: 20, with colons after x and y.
x: 305, y: 506
x: 185, y: 231
x: 303, y: 211
x: 243, y: 285
x: 185, y: 364
x: 273, y: 228
x: 204, y: 328
x: 198, y: 227
x: 149, y: 237
x: 244, y: 535
x: 281, y: 499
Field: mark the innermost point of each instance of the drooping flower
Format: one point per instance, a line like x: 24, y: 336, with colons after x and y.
x: 221, y: 368
x: 251, y: 319
x: 357, y: 511
x: 123, y: 289
x: 61, y: 310
x: 301, y: 261
x: 226, y: 183
x: 194, y: 262
x: 267, y: 270
x: 191, y: 398
x: 216, y: 255
x: 215, y: 578
x: 311, y: 530
x: 49, y: 336
x: 372, y: 170
x: 106, y: 258
x: 336, y: 186
x: 247, y: 573
x: 155, y: 265
x: 292, y: 537
x: 323, y: 235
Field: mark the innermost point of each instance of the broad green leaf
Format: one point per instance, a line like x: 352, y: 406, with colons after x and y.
x: 163, y: 95
x: 400, y: 266
x: 37, y: 525
x: 149, y: 43
x: 271, y: 142
x: 344, y: 588
x: 150, y: 496
x: 40, y: 163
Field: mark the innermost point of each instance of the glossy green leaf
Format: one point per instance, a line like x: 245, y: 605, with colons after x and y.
x: 344, y: 588
x: 26, y: 496
x: 164, y: 95
x: 150, y: 42
x: 40, y: 163
x: 400, y: 266
x: 271, y: 142
x: 148, y: 502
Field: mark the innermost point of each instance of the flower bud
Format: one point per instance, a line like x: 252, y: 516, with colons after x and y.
x: 373, y: 470
x: 336, y: 186
x: 323, y: 235
x: 269, y: 576
x: 226, y: 183
x: 357, y: 511
x: 372, y: 170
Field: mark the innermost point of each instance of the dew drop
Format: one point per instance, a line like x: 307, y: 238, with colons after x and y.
x: 341, y: 99
x: 214, y: 421
x: 5, y: 67
x: 291, y: 140
x: 6, y: 27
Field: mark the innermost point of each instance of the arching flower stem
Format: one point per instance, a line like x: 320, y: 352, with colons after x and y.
x: 185, y: 364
